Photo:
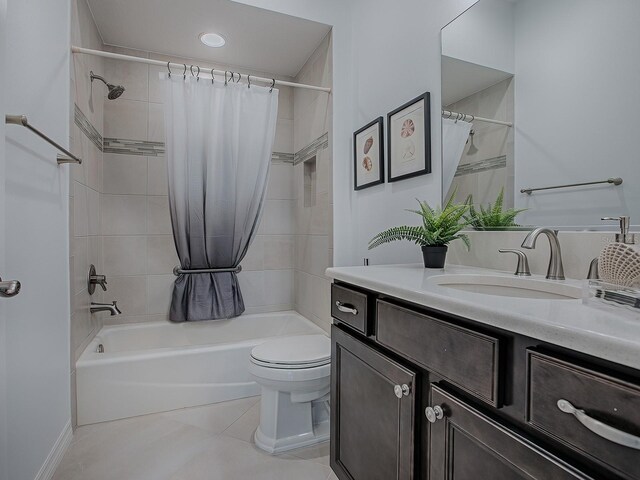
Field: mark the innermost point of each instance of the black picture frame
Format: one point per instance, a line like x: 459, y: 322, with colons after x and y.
x: 357, y: 164
x: 426, y: 97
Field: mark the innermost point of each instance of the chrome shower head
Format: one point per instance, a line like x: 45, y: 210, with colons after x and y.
x: 114, y: 90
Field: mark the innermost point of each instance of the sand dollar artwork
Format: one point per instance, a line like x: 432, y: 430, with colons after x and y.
x: 408, y: 128
x: 368, y: 156
x: 408, y: 149
x: 368, y: 144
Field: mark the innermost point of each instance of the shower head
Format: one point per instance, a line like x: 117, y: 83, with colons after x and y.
x: 472, y: 148
x: 114, y: 90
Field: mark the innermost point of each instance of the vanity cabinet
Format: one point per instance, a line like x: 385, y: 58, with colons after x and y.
x: 421, y: 394
x: 465, y: 442
x: 372, y: 414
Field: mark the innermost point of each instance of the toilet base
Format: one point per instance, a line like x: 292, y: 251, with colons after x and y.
x: 287, y: 424
x: 319, y: 434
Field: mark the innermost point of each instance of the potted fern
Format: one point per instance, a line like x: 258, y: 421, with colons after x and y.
x: 440, y: 226
x: 493, y: 217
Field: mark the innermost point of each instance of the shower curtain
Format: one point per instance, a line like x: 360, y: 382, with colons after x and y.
x: 454, y: 137
x: 218, y: 145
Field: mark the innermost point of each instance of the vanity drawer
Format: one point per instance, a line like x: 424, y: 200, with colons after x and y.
x: 350, y: 307
x: 613, y: 402
x: 463, y: 357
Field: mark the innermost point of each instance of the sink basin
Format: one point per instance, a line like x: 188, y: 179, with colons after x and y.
x: 510, y: 286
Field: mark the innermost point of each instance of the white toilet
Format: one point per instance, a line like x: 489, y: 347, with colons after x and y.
x: 294, y: 374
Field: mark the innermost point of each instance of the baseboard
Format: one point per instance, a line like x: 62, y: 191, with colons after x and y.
x: 56, y: 454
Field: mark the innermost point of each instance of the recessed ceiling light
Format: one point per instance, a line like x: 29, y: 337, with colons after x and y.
x: 212, y: 40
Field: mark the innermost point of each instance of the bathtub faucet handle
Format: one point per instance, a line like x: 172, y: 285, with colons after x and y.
x: 95, y: 279
x: 102, y: 281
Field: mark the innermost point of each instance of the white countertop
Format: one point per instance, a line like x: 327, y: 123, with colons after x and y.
x: 568, y: 323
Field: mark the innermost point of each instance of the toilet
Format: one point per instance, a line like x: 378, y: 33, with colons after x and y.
x: 294, y: 374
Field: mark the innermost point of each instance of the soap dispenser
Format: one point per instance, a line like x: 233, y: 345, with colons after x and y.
x: 624, y: 236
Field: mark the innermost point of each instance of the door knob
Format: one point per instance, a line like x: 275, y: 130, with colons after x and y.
x: 434, y: 414
x: 10, y: 288
x: 401, y: 390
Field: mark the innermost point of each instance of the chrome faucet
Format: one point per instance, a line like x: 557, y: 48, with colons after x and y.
x: 593, y: 273
x: 555, y: 270
x: 105, y: 307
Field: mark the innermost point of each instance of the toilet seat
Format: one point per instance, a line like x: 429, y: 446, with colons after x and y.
x: 293, y: 353
x: 298, y: 366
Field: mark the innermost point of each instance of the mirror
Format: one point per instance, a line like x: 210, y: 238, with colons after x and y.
x: 544, y: 93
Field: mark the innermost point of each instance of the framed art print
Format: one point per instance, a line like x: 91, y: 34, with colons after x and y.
x: 409, y: 139
x: 368, y: 155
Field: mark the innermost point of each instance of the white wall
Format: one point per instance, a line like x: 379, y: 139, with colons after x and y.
x: 374, y: 72
x: 37, y: 84
x: 483, y: 35
x: 577, y: 78
x: 3, y: 350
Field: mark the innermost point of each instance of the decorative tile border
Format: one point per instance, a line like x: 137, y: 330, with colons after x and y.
x: 282, y: 157
x: 86, y: 127
x: 312, y: 149
x: 133, y: 147
x: 156, y: 149
x: 482, y: 166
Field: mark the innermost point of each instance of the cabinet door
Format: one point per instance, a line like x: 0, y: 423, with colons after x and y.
x: 467, y: 445
x: 372, y: 416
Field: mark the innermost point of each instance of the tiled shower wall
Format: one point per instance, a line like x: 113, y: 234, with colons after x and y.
x: 138, y: 248
x: 85, y: 240
x: 313, y: 192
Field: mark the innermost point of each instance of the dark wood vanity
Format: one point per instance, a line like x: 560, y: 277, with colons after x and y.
x: 422, y: 394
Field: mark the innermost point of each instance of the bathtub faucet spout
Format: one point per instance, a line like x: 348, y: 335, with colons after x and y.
x: 112, y: 308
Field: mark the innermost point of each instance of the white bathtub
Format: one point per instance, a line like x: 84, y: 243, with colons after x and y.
x: 159, y: 366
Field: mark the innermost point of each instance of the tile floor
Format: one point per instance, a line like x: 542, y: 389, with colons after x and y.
x: 211, y: 442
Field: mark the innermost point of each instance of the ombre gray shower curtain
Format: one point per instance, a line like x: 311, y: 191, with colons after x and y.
x: 218, y: 145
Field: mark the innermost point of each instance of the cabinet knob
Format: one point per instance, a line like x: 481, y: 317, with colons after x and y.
x: 434, y: 414
x: 402, y: 390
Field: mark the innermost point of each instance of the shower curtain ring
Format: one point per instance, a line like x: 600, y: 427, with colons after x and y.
x: 212, y: 77
x: 225, y: 78
x: 184, y: 73
x: 248, y: 81
x: 169, y: 68
x: 197, y: 75
x: 273, y: 83
x: 239, y: 77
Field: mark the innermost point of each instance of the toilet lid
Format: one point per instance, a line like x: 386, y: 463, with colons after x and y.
x: 296, y: 351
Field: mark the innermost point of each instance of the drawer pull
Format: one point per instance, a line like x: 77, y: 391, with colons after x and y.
x: 401, y: 390
x: 434, y: 414
x: 601, y: 429
x: 346, y: 308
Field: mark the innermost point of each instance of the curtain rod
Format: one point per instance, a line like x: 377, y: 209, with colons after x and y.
x: 179, y: 67
x: 470, y: 118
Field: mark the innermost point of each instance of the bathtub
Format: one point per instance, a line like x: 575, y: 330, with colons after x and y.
x: 159, y: 366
